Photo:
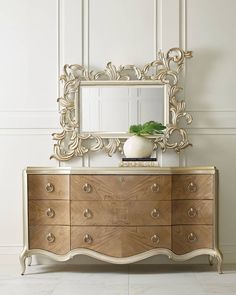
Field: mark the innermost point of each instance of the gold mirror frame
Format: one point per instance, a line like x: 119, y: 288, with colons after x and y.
x: 166, y: 69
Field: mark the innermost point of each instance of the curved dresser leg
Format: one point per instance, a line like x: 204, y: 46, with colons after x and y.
x: 211, y: 260
x: 29, y: 260
x: 23, y: 257
x: 219, y: 258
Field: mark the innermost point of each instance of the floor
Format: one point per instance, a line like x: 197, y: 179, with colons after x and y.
x: 117, y: 280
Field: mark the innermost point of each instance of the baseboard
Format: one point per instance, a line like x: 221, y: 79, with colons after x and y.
x: 229, y: 253
x: 10, y: 255
x: 10, y: 249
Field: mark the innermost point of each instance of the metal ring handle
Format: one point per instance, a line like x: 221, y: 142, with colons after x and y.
x: 88, y: 239
x: 192, y: 212
x: 87, y: 188
x: 50, y: 212
x: 49, y: 187
x: 192, y: 238
x: 155, y: 239
x: 51, y: 238
x: 155, y: 213
x: 155, y: 188
x: 88, y: 213
x: 192, y: 187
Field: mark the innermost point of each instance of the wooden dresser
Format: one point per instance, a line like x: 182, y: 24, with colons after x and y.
x: 120, y: 215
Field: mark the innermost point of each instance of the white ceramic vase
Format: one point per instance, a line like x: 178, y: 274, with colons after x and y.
x: 138, y: 147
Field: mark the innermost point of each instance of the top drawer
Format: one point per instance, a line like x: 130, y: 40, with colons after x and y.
x: 48, y: 187
x: 193, y: 187
x: 120, y: 187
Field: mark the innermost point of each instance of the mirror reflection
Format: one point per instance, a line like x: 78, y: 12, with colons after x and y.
x: 112, y: 109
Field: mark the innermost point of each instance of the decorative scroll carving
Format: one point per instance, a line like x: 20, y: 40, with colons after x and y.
x: 164, y: 70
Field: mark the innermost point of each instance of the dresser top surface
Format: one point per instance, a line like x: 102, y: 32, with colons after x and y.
x: 121, y: 170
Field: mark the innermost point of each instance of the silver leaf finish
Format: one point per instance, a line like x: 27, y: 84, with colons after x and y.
x: 164, y: 70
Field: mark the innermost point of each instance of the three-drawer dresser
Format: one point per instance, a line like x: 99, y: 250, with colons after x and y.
x: 120, y: 215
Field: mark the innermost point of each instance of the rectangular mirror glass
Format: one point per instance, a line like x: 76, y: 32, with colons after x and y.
x: 112, y: 109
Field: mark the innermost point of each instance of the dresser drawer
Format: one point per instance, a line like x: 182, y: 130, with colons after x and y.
x: 48, y: 186
x: 53, y: 238
x: 120, y: 213
x: 49, y: 212
x: 186, y: 238
x: 192, y: 212
x: 120, y: 187
x: 120, y: 241
x: 193, y: 187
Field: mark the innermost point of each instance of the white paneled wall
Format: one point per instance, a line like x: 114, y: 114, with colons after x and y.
x: 39, y: 36
x: 211, y: 100
x: 28, y: 109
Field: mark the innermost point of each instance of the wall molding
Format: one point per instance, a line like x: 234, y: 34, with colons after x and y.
x: 158, y: 26
x: 182, y: 24
x: 85, y: 33
x: 215, y: 131
x: 60, y: 39
x: 29, y: 119
x: 10, y: 249
x: 29, y: 132
x: 211, y: 111
x: 215, y: 119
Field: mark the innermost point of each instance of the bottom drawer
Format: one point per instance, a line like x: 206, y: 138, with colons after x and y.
x: 120, y: 241
x: 186, y: 238
x: 53, y: 238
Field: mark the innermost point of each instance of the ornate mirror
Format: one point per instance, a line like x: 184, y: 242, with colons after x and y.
x: 97, y: 108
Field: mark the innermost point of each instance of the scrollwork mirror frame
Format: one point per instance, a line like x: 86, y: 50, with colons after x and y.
x: 165, y: 70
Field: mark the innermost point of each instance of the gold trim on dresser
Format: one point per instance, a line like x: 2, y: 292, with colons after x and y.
x: 114, y: 215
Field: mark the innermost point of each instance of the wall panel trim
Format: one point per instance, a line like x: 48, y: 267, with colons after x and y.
x: 159, y: 26
x: 207, y: 131
x: 30, y: 119
x: 182, y: 25
x: 86, y: 33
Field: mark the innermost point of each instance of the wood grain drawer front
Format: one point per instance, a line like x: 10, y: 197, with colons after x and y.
x: 192, y: 212
x: 120, y: 241
x: 121, y: 213
x: 186, y: 238
x: 55, y: 239
x: 49, y: 212
x: 120, y: 187
x: 193, y: 187
x: 48, y: 186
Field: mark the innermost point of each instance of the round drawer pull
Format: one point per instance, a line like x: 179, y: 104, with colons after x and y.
x: 49, y: 187
x: 155, y: 239
x: 192, y: 212
x: 155, y: 213
x: 192, y: 238
x: 50, y: 212
x: 88, y: 239
x: 87, y: 188
x: 192, y: 187
x: 51, y: 238
x: 155, y: 188
x: 88, y: 213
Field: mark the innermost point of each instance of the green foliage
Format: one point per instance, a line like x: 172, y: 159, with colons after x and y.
x: 148, y: 128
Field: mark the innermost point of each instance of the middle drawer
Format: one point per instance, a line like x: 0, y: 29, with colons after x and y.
x: 131, y: 213
x: 42, y: 212
x: 192, y: 212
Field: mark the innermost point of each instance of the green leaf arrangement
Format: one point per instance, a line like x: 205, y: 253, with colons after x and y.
x: 148, y: 128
